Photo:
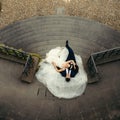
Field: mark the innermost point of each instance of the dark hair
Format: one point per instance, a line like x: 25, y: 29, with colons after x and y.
x: 67, y: 79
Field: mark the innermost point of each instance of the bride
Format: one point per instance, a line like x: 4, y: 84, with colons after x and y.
x: 62, y: 73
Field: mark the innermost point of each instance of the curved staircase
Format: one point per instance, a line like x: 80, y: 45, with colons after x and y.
x: 40, y: 34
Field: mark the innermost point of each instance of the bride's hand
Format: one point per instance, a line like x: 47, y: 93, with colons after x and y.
x: 74, y: 67
x: 53, y: 63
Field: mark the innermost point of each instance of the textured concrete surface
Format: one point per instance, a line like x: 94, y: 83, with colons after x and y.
x: 21, y: 101
x: 103, y: 11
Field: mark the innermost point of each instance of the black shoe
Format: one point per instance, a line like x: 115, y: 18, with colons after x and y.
x: 66, y: 42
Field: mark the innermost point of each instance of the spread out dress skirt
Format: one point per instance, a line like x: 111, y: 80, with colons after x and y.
x: 53, y: 80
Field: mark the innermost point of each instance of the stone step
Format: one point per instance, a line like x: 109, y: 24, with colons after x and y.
x: 38, y: 33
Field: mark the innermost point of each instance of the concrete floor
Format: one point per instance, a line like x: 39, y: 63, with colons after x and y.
x: 21, y: 101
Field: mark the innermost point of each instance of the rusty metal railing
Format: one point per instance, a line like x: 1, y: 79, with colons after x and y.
x: 20, y: 56
x: 101, y: 57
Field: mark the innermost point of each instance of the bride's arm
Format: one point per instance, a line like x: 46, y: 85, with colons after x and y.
x: 55, y: 66
x: 72, y: 61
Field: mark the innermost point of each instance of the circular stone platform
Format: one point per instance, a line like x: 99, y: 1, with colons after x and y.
x: 22, y: 101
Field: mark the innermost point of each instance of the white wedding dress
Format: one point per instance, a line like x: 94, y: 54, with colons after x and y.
x: 53, y: 80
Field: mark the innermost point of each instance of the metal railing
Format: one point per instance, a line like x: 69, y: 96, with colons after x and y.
x: 9, y: 52
x: 102, y: 57
x: 28, y: 65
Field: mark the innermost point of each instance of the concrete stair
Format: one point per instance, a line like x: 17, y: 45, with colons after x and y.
x: 40, y: 34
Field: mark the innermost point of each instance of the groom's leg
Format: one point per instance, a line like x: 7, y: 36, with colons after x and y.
x: 71, y: 55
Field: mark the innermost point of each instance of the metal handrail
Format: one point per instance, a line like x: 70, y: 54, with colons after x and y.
x: 19, y: 54
x: 102, y: 57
